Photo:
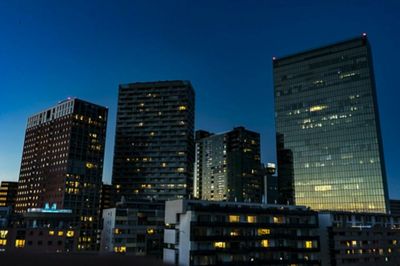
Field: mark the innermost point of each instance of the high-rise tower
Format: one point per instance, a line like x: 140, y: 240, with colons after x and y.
x: 154, y: 142
x: 327, y: 113
x: 62, y: 163
x: 228, y: 166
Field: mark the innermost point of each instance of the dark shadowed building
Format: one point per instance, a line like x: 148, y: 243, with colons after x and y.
x: 154, y: 142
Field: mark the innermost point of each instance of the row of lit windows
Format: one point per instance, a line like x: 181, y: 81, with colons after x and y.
x: 253, y: 219
x: 263, y: 243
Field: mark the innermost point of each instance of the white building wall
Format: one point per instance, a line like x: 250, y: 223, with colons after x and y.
x: 107, y: 234
x: 184, y: 239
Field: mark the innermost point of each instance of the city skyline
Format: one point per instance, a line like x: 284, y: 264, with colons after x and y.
x: 215, y: 113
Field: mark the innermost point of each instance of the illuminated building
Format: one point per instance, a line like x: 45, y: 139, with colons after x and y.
x: 8, y: 193
x: 228, y: 166
x: 39, y: 230
x: 134, y: 227
x: 154, y: 142
x: 327, y: 114
x: 230, y: 233
x: 153, y: 157
x: 62, y: 163
x: 349, y: 238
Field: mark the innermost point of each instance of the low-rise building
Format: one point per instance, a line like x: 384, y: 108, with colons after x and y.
x: 349, y: 238
x: 134, y: 227
x: 41, y: 230
x: 230, y: 233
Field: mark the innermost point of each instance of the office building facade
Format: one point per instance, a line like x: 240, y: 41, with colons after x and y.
x: 327, y: 112
x: 154, y: 143
x: 229, y: 233
x: 62, y: 164
x: 228, y: 166
x: 41, y: 230
x: 349, y: 238
x: 135, y: 228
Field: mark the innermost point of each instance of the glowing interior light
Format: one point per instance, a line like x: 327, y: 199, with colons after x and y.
x: 317, y: 108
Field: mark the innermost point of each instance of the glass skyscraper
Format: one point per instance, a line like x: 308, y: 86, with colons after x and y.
x: 327, y: 116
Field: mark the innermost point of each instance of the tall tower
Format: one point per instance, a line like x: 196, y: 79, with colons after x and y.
x: 154, y: 142
x: 62, y: 163
x: 228, y: 166
x: 327, y: 113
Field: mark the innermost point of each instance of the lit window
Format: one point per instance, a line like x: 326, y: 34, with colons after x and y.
x: 3, y: 242
x: 164, y: 164
x: 51, y: 233
x: 354, y: 243
x: 117, y: 231
x: 20, y: 243
x: 89, y: 165
x: 308, y: 244
x: 234, y: 232
x: 121, y: 249
x: 182, y: 108
x: 323, y: 188
x: 265, y: 243
x: 70, y: 233
x: 234, y: 218
x: 278, y: 219
x: 263, y: 231
x: 60, y: 233
x: 347, y: 75
x: 219, y: 244
x: 150, y: 231
x: 251, y: 219
x: 181, y: 169
x: 3, y: 233
x: 317, y: 108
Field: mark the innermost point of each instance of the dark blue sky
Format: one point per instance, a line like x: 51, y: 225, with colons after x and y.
x: 50, y: 50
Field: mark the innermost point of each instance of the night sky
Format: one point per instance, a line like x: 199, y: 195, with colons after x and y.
x: 50, y: 50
